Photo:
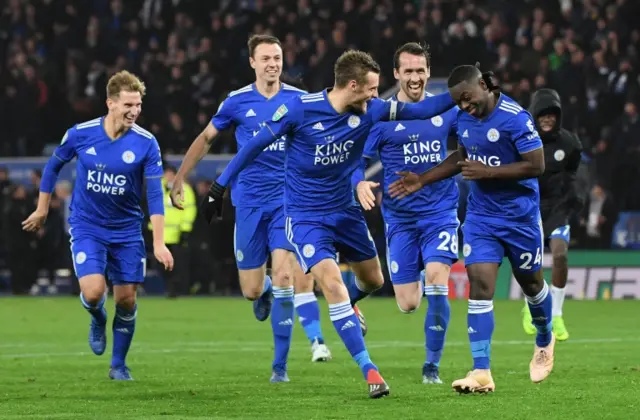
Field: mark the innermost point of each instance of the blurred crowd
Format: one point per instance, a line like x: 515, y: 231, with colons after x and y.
x: 56, y: 56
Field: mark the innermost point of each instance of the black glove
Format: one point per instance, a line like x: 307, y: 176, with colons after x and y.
x: 211, y: 205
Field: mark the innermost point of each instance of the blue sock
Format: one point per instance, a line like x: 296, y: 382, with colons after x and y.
x: 541, y: 308
x: 308, y: 310
x: 282, y: 326
x: 124, y: 325
x: 348, y: 327
x: 481, y: 323
x: 97, y: 311
x: 356, y: 290
x: 267, y: 287
x: 436, y: 321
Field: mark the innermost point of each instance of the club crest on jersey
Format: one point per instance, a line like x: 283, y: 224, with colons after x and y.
x: 280, y: 112
x: 559, y: 155
x: 437, y: 121
x: 354, y: 121
x: 128, y: 156
x: 493, y: 135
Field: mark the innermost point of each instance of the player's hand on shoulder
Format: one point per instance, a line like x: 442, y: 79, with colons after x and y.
x: 163, y: 255
x: 408, y: 184
x: 473, y: 170
x: 35, y: 221
x: 177, y: 194
x: 364, y: 189
x: 211, y: 205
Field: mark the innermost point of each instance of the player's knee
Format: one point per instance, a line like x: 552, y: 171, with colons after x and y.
x: 93, y: 294
x: 560, y: 259
x: 127, y: 301
x: 282, y: 277
x: 480, y: 291
x: 408, y: 307
x: 252, y: 292
x: 437, y: 278
x: 303, y: 284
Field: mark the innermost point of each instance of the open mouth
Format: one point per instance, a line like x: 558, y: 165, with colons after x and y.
x: 129, y: 119
x: 472, y: 110
x: 272, y: 72
x: 414, y: 88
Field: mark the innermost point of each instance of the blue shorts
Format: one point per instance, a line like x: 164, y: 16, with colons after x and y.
x: 411, y: 246
x: 562, y: 232
x: 522, y: 244
x: 121, y: 262
x: 258, y: 232
x: 318, y: 238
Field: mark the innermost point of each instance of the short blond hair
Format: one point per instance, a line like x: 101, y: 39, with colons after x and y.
x: 124, y: 81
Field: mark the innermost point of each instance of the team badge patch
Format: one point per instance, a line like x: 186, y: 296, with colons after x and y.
x: 493, y: 135
x: 437, y: 121
x: 280, y: 112
x: 128, y: 156
x: 559, y: 155
x: 354, y: 121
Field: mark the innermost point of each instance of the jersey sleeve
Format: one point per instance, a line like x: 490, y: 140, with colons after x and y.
x: 224, y: 116
x: 372, y: 145
x: 286, y: 120
x: 523, y: 133
x: 153, y: 161
x: 425, y: 109
x: 153, y: 173
x: 65, y: 151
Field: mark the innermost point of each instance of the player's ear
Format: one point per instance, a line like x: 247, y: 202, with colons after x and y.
x: 353, y: 85
x: 396, y: 74
x: 252, y: 62
x: 483, y: 84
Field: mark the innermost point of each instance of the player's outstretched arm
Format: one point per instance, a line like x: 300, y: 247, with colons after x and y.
x: 411, y: 182
x: 425, y: 109
x: 198, y: 149
x: 63, y: 154
x: 153, y: 173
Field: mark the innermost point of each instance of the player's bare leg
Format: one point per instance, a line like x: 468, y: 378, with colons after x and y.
x: 539, y: 300
x: 368, y: 279
x: 256, y: 287
x: 93, y: 294
x: 408, y: 296
x: 306, y: 305
x: 480, y: 321
x: 437, y: 320
x: 124, y: 324
x: 559, y: 274
x: 282, y: 313
x: 346, y: 322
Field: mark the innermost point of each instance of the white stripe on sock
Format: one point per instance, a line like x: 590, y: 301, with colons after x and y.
x: 302, y: 298
x: 480, y: 306
x: 282, y: 292
x: 537, y: 299
x: 338, y: 311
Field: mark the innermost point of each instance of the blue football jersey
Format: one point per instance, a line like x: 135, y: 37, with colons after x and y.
x: 261, y: 183
x: 414, y: 146
x: 500, y: 139
x: 324, y: 147
x: 109, y: 178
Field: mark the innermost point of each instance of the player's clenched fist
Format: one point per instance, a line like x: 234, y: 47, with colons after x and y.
x: 163, y: 255
x: 365, y: 194
x: 211, y: 205
x: 408, y: 184
x: 473, y: 170
x: 35, y: 221
x: 177, y: 194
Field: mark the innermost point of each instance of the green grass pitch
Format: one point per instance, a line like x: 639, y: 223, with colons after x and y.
x: 209, y: 359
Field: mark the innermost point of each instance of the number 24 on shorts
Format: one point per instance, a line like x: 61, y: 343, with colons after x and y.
x: 527, y: 257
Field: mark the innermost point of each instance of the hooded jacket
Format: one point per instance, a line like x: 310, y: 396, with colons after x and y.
x: 560, y: 195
